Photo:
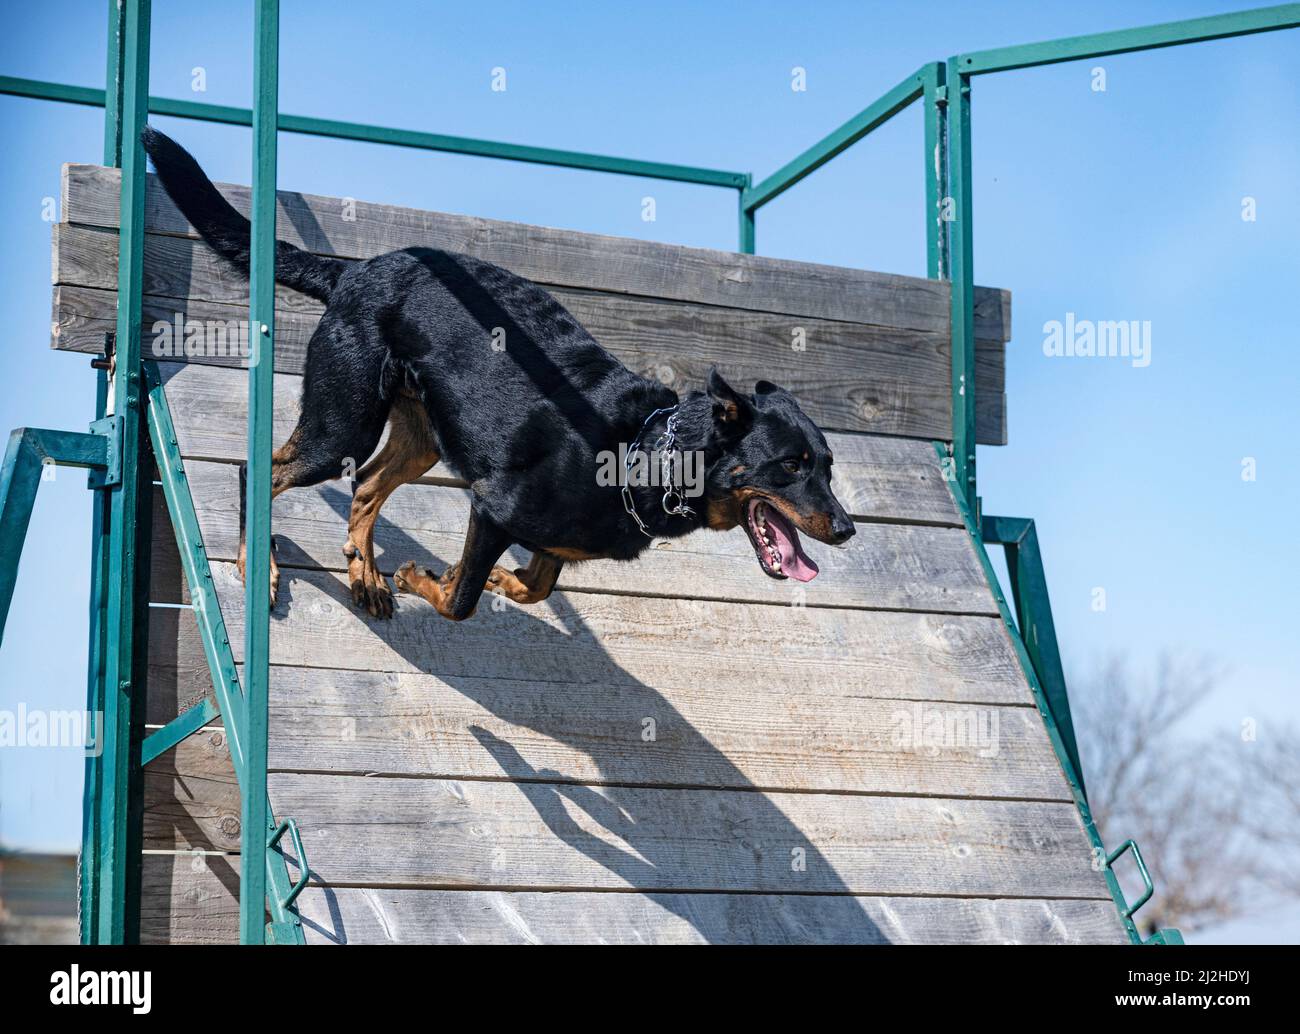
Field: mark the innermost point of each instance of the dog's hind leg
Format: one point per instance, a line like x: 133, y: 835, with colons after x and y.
x: 342, y: 418
x: 530, y: 584
x: 455, y: 595
x: 409, y: 452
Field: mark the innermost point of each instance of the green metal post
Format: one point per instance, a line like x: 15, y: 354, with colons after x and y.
x: 126, y: 625
x: 746, y: 222
x: 87, y: 867
x: 961, y: 256
x: 113, y: 85
x: 87, y: 862
x: 261, y: 389
x: 936, y: 170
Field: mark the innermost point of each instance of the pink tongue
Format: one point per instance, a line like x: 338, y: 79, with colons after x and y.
x: 794, y: 561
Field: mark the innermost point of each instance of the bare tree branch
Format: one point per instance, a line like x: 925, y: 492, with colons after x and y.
x: 1199, y: 808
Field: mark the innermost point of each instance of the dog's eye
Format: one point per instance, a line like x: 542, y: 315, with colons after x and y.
x: 790, y: 466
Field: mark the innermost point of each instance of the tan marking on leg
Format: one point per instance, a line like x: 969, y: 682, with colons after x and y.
x: 530, y: 584
x: 281, y: 481
x: 572, y: 555
x: 406, y: 455
x: 423, y: 582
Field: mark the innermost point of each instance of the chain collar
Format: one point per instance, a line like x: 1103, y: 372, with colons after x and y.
x: 666, y: 447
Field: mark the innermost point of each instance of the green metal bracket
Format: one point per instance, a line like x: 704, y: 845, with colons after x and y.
x: 1127, y: 910
x: 1019, y: 539
x: 305, y: 875
x: 110, y: 429
x: 31, y: 451
x: 194, y: 719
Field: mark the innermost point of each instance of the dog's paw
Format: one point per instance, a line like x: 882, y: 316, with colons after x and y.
x: 373, y: 595
x: 275, y: 579
x: 402, y: 576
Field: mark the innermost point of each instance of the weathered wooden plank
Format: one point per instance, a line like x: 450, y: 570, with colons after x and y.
x: 855, y: 378
x: 875, y: 477
x: 541, y: 835
x: 584, y: 638
x: 587, y: 638
x: 329, y: 226
x: 722, y: 736
x: 189, y: 903
x: 894, y: 566
x: 189, y: 897
x: 728, y: 736
x: 357, y: 915
x: 191, y: 796
x: 860, y: 377
x: 755, y: 733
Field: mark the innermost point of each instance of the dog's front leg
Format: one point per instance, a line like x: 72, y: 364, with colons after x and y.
x: 455, y: 595
x: 530, y: 584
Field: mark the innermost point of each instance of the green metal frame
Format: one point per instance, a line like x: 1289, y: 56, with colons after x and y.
x: 116, y: 670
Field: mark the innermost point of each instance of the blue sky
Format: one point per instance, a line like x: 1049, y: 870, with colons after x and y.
x: 1122, y: 204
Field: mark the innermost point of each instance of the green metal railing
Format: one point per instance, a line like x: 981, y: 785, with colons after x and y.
x: 112, y: 824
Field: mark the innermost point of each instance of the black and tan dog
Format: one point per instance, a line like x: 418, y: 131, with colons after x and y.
x: 412, y: 340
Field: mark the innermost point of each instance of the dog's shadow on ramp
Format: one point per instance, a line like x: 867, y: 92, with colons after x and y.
x: 669, y: 815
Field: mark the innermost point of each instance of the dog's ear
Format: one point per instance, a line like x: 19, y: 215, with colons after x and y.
x: 732, y: 411
x: 768, y: 388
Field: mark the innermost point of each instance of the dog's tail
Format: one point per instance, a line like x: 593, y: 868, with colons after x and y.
x: 226, y: 230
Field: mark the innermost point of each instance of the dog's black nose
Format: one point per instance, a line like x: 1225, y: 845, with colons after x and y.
x: 842, y: 528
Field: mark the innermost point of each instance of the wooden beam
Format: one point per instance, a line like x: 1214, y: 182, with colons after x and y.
x: 566, y: 258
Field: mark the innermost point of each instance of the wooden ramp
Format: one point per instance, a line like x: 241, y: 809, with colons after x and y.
x: 677, y: 750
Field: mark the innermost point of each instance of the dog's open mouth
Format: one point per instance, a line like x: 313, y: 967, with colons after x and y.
x: 776, y: 542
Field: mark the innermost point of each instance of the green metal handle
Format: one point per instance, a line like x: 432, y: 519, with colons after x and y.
x: 1128, y: 910
x: 297, y: 888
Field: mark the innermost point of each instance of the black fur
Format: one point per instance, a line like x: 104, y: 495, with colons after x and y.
x: 523, y: 423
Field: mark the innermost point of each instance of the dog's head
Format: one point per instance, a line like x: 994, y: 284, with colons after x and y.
x: 773, y: 477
